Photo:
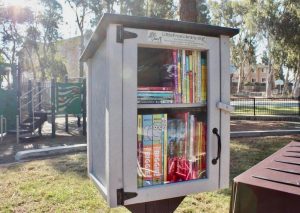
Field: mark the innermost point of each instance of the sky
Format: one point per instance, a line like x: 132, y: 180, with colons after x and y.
x: 67, y: 29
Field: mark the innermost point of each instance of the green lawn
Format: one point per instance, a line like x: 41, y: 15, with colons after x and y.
x: 60, y: 184
x: 270, y: 110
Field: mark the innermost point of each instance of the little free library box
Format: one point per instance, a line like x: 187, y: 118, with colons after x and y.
x: 158, y: 95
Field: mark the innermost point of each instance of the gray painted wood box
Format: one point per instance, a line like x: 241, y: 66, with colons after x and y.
x: 112, y: 103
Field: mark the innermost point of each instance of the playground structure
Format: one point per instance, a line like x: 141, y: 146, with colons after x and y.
x: 24, y: 108
x: 46, y: 100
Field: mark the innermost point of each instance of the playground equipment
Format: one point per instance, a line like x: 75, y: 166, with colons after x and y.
x: 3, y: 126
x: 41, y: 101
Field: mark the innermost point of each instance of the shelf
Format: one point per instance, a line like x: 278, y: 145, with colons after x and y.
x: 158, y: 106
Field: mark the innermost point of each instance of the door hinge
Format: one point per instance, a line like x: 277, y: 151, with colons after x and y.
x: 123, y: 34
x: 122, y: 196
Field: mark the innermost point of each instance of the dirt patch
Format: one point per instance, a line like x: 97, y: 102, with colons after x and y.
x: 247, y: 125
x: 9, y: 146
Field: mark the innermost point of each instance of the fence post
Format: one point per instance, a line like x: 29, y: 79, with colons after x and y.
x: 17, y: 128
x: 299, y: 105
x: 29, y: 98
x: 254, y: 107
x: 66, y: 115
x: 53, y: 85
x: 84, y: 108
x: 1, y: 126
x: 40, y: 95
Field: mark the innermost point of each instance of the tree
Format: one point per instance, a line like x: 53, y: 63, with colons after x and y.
x: 80, y: 9
x: 99, y: 7
x: 11, y: 18
x: 188, y: 10
x: 42, y: 36
x: 203, y: 12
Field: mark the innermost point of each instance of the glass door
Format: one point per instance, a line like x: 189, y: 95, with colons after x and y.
x: 169, y: 111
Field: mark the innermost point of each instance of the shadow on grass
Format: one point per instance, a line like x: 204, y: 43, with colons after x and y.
x: 72, y: 163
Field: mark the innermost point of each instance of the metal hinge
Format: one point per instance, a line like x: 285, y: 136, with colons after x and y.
x: 123, y: 34
x: 122, y: 196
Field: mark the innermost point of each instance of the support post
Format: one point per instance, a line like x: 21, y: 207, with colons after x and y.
x: 84, y: 108
x: 254, y: 107
x: 17, y: 128
x: 299, y: 105
x: 1, y: 126
x: 29, y: 98
x: 66, y: 115
x: 53, y: 85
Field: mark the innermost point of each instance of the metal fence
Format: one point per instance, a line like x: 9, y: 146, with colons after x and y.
x: 266, y: 106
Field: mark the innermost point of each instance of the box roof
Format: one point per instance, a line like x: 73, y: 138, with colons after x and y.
x: 151, y: 24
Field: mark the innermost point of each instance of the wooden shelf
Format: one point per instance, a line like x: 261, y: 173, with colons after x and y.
x: 158, y: 106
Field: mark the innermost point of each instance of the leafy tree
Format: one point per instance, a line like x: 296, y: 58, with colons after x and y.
x: 11, y: 18
x: 203, y: 12
x: 43, y: 34
x: 80, y: 9
x: 99, y: 7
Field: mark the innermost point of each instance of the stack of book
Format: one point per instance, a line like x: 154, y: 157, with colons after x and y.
x: 155, y: 95
x: 190, y: 73
x: 170, y: 149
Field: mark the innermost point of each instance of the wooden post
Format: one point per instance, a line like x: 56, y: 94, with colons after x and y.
x: 166, y: 206
x: 53, y: 85
x: 84, y: 108
x: 66, y: 115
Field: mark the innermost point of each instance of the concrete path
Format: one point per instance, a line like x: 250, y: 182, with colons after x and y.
x: 240, y: 134
x: 37, y: 153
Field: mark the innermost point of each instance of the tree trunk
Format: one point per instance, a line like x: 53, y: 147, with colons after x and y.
x: 286, y: 84
x: 270, y: 71
x: 241, y: 79
x: 188, y: 10
x: 81, y: 51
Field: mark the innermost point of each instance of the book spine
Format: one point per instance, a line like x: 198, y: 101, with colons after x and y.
x: 155, y: 101
x: 179, y: 75
x: 170, y: 95
x: 204, y: 129
x: 199, y: 78
x: 175, y: 74
x: 172, y: 144
x: 204, y: 76
x: 156, y: 89
x: 157, y: 148
x: 183, y: 77
x: 191, y: 87
x: 165, y: 146
x: 147, y: 150
x: 140, y: 152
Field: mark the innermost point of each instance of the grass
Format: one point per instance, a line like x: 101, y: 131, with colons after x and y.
x: 270, y: 110
x: 60, y: 184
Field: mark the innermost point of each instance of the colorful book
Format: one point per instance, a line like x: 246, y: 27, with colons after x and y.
x: 155, y: 88
x: 147, y: 150
x: 140, y: 151
x: 157, y: 148
x: 164, y: 124
x: 172, y: 151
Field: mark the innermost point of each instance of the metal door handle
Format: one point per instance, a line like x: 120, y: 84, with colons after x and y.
x: 215, y: 160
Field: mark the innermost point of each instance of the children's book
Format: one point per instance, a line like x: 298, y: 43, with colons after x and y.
x: 147, y: 150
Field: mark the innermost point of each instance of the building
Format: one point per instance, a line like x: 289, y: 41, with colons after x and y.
x: 257, y: 75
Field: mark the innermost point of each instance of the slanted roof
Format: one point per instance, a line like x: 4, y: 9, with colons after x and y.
x: 151, y: 24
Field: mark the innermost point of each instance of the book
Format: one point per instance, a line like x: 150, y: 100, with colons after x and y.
x: 157, y: 148
x: 172, y: 151
x: 147, y: 150
x: 155, y: 89
x: 140, y: 152
x: 164, y: 124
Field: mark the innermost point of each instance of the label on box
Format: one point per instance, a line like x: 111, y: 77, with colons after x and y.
x: 177, y: 39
